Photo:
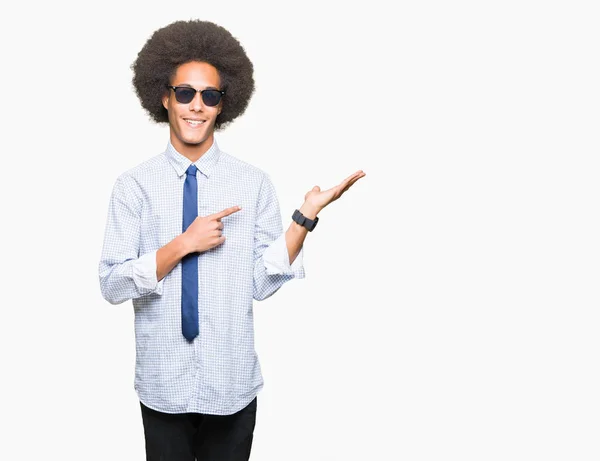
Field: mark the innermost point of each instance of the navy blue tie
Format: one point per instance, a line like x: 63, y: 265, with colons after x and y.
x: 189, y: 263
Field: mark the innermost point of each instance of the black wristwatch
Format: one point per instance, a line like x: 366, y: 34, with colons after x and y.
x: 310, y: 224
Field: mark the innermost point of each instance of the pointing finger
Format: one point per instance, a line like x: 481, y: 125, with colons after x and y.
x: 225, y: 212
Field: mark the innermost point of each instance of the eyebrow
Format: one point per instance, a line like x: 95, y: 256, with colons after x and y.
x: 190, y: 86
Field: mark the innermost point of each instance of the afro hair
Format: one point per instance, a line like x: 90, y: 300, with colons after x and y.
x: 193, y: 40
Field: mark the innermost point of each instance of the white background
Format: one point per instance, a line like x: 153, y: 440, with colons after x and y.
x: 450, y: 308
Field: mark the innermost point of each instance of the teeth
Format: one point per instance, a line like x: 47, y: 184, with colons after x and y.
x: 195, y: 122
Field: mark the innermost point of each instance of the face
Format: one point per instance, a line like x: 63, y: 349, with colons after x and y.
x: 192, y: 124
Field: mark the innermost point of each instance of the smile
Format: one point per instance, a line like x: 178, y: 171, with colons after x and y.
x: 194, y: 123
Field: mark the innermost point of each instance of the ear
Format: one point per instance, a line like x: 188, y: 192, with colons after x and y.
x: 165, y: 101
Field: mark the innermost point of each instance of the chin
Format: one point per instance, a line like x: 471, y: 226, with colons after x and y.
x: 193, y: 141
x: 187, y: 139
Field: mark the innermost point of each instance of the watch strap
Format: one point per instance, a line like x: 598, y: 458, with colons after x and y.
x: 299, y: 218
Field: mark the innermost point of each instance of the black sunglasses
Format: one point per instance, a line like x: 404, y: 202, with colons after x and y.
x: 185, y: 95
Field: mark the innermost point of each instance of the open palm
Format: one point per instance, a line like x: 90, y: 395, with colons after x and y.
x: 320, y: 199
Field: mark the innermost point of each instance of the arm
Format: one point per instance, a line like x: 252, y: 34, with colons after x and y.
x: 295, y: 235
x: 278, y: 270
x: 123, y: 273
x: 314, y: 201
x: 168, y: 256
x: 271, y: 256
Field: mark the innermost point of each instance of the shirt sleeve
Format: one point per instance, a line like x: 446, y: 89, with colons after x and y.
x: 144, y: 273
x: 271, y: 261
x: 123, y: 273
x: 277, y: 259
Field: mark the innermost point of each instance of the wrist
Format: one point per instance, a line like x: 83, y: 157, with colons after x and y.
x: 309, y: 210
x: 183, y: 245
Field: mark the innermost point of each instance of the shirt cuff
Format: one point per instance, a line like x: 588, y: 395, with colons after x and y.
x: 144, y: 274
x: 277, y: 260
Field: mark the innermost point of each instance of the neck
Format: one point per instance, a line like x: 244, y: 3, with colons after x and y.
x: 192, y: 151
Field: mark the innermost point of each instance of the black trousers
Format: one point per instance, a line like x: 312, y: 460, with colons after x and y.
x: 196, y: 436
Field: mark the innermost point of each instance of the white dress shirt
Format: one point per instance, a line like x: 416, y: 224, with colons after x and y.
x: 218, y: 372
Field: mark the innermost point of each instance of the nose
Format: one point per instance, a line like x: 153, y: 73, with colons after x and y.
x: 197, y: 103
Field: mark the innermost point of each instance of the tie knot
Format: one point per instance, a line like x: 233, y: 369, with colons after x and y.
x: 192, y: 170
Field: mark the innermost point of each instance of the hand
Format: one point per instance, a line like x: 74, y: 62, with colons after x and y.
x: 316, y: 199
x: 205, y: 231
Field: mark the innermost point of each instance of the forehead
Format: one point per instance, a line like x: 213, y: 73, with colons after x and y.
x: 196, y: 74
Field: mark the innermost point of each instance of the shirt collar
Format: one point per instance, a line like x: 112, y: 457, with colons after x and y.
x: 206, y: 163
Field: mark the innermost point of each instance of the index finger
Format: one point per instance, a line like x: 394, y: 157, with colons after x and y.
x: 353, y: 178
x: 225, y: 212
x: 353, y: 175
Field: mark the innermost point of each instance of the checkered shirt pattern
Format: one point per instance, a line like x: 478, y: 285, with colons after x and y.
x: 219, y: 372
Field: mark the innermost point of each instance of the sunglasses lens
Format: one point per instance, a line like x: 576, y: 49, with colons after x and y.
x: 211, y: 97
x: 184, y: 95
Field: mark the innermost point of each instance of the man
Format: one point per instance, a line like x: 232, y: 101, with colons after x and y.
x: 193, y: 236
